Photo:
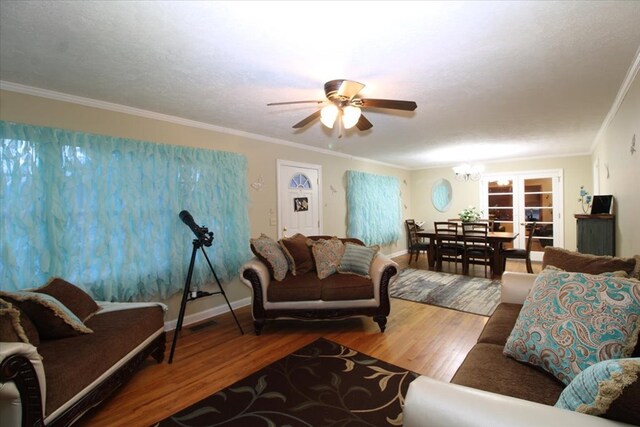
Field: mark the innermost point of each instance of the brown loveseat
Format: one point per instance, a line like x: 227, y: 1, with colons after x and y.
x: 492, y: 389
x: 306, y: 296
x: 54, y: 381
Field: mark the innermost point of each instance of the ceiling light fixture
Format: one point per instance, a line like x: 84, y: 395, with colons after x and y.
x: 468, y: 172
x: 349, y: 115
x: 328, y: 115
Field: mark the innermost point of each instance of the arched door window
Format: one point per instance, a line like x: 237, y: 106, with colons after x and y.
x: 299, y: 180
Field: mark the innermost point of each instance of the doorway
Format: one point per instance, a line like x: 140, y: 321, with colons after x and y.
x: 515, y: 199
x: 299, y: 198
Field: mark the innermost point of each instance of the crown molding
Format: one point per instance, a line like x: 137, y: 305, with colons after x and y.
x: 109, y: 106
x: 622, y: 93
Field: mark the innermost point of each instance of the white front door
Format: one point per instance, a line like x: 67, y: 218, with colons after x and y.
x: 299, y: 199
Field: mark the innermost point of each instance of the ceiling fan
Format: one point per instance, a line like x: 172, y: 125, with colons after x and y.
x: 343, y: 106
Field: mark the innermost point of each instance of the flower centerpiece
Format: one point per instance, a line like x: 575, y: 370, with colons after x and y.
x: 584, y: 199
x: 470, y: 214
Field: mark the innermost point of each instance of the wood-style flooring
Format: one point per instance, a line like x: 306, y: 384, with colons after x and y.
x: 425, y: 339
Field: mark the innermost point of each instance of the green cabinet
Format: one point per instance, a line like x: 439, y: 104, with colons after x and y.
x: 596, y: 234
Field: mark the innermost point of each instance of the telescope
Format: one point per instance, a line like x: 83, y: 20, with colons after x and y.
x: 202, y: 233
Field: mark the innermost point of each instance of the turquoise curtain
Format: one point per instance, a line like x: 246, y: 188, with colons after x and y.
x: 102, y: 212
x: 373, y: 208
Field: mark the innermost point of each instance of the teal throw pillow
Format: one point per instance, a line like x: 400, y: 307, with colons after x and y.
x: 570, y: 321
x: 357, y: 259
x: 593, y: 390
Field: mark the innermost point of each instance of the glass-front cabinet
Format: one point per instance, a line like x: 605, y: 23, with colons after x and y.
x: 516, y: 199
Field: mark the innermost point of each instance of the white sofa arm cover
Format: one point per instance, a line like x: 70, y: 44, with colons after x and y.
x: 516, y: 286
x: 379, y: 264
x: 10, y: 403
x: 261, y: 269
x: 434, y: 403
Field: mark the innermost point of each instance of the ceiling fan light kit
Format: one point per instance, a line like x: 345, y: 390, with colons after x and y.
x: 345, y: 108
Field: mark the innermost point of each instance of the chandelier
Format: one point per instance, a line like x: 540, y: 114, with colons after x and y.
x: 467, y: 172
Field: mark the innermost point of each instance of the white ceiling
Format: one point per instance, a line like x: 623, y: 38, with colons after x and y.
x: 492, y: 80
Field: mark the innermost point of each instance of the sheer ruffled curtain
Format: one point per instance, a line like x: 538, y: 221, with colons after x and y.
x: 373, y: 208
x: 102, y: 212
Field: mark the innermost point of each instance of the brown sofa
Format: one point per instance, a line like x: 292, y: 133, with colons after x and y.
x: 305, y: 296
x: 490, y: 388
x: 54, y: 381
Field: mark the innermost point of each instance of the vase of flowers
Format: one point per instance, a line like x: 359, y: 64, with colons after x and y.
x: 584, y: 199
x: 470, y: 214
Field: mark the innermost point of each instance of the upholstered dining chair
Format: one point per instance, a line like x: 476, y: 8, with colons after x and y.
x: 447, y: 246
x: 477, y: 249
x: 415, y: 244
x: 524, y: 254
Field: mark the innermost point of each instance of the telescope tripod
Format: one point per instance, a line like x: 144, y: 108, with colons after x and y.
x: 188, y: 295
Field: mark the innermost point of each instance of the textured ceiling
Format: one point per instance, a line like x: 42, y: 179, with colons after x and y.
x: 492, y: 80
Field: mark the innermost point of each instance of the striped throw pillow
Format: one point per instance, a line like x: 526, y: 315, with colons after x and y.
x: 357, y: 259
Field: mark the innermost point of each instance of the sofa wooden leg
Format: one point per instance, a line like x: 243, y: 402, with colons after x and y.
x: 158, y: 352
x: 381, y: 321
x: 257, y: 326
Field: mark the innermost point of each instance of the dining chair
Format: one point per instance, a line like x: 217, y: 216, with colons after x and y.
x: 447, y: 246
x: 525, y: 254
x: 415, y: 244
x: 477, y: 249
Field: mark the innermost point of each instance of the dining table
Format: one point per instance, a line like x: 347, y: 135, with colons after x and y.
x: 494, y: 238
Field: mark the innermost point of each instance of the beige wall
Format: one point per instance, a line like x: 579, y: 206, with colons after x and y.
x: 576, y: 172
x: 262, y: 157
x: 619, y: 170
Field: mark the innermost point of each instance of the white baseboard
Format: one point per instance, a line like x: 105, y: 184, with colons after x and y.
x: 395, y: 254
x: 206, y: 314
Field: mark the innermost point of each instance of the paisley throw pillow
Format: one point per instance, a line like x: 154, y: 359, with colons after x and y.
x: 570, y: 321
x: 270, y: 252
x: 327, y: 254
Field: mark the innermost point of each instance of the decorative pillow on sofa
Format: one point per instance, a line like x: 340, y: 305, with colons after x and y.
x: 327, y: 254
x: 74, y: 298
x: 15, y: 326
x: 298, y: 254
x: 51, y: 318
x: 586, y: 263
x: 357, y: 259
x: 269, y: 251
x: 594, y: 390
x: 570, y: 321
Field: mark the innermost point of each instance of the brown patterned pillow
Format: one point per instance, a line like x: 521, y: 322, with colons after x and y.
x: 327, y: 254
x: 298, y: 254
x: 74, y: 298
x: 15, y: 326
x: 51, y: 318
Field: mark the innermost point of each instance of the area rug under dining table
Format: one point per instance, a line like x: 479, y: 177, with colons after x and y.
x: 321, y: 384
x: 475, y: 295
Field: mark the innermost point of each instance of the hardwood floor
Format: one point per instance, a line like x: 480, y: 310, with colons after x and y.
x: 428, y: 340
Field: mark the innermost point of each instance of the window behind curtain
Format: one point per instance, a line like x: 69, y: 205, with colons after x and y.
x: 102, y: 212
x: 373, y: 208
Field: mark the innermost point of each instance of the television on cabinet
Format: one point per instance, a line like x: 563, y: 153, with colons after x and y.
x: 601, y: 204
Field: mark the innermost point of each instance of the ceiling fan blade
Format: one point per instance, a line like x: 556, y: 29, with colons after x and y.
x: 293, y: 102
x: 393, y: 104
x: 349, y: 89
x: 363, y: 123
x: 342, y: 89
x: 302, y: 123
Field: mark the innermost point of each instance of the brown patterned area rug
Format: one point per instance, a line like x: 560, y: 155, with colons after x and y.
x: 321, y: 384
x: 475, y: 295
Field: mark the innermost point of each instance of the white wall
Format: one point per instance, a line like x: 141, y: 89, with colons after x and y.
x: 619, y: 170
